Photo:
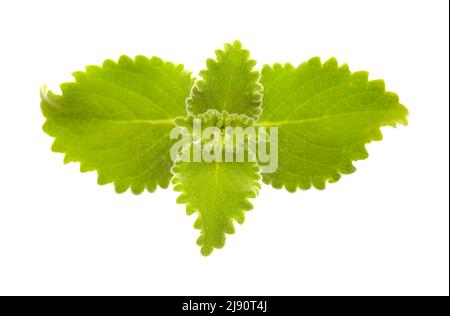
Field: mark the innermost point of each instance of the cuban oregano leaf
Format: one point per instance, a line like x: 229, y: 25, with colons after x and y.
x: 217, y: 191
x: 325, y: 115
x: 119, y: 119
x: 116, y: 119
x: 229, y: 84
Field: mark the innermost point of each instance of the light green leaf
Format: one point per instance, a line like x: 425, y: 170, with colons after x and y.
x: 325, y: 115
x: 116, y: 119
x: 218, y: 191
x: 229, y: 84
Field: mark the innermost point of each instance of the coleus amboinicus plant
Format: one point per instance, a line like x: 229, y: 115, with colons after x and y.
x: 117, y: 118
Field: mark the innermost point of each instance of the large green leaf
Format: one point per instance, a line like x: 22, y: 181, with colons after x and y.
x: 229, y: 84
x: 117, y: 118
x: 218, y: 191
x: 325, y: 115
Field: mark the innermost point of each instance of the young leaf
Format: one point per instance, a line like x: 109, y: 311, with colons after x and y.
x: 229, y: 84
x: 218, y: 191
x: 325, y: 115
x: 116, y: 119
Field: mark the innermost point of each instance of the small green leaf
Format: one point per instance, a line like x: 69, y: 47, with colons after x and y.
x: 229, y: 84
x: 218, y: 191
x: 116, y: 119
x: 325, y: 115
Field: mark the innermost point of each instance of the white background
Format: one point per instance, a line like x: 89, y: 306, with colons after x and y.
x: 381, y: 231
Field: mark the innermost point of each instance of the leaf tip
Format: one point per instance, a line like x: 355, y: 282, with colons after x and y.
x: 206, y: 251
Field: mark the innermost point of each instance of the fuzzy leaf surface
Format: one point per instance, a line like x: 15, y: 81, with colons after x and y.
x: 217, y: 191
x: 228, y: 84
x: 116, y: 119
x: 325, y: 115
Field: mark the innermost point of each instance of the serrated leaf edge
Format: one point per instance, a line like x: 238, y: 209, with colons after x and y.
x: 362, y: 154
x: 252, y: 193
x: 48, y: 96
x: 257, y: 94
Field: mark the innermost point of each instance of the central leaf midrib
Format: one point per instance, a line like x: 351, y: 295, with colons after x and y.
x: 314, y: 119
x: 135, y: 121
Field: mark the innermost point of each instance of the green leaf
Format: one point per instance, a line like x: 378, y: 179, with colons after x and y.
x: 116, y: 119
x: 325, y: 115
x: 229, y: 84
x: 218, y: 191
